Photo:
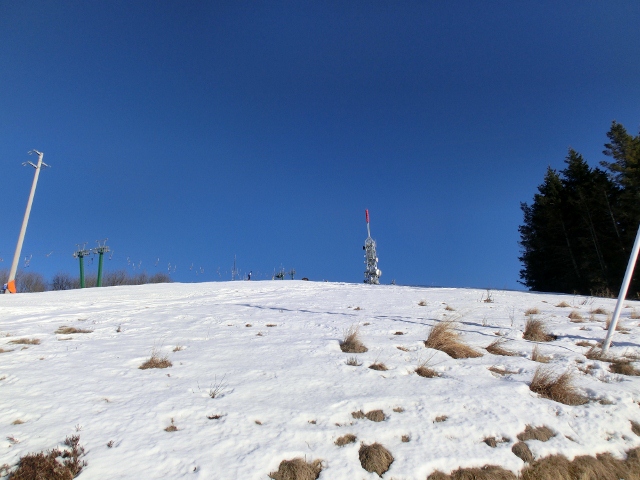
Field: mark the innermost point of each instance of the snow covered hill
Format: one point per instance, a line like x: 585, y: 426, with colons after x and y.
x: 258, y: 376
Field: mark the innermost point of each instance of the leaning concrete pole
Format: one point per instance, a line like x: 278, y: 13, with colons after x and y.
x: 11, y: 284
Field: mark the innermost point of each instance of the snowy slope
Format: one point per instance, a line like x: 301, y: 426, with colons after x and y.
x: 291, y: 374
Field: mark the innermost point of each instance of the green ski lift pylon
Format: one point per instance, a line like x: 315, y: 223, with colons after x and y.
x: 100, y: 250
x: 80, y: 254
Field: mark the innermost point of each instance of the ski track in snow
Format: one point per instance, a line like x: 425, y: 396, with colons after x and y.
x: 294, y: 373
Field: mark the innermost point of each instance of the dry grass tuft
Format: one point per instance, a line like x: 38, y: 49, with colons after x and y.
x: 497, y: 349
x: 351, y: 342
x: 619, y: 327
x: 634, y: 315
x: 2, y: 350
x: 178, y: 348
x: 353, y: 362
x: 557, y: 388
x: 536, y: 433
x: 398, y: 409
x: 345, y: 440
x: 635, y: 427
x: 357, y: 415
x: 156, y: 361
x: 488, y: 472
x: 405, y: 438
x: 426, y: 372
x: 563, y: 304
x: 378, y: 366
x: 398, y: 333
x: 575, y: 317
x: 443, y: 337
x: 623, y: 367
x: 493, y: 441
x: 375, y: 458
x: 403, y: 349
x: 441, y: 418
x: 532, y: 311
x: 271, y: 325
x: 26, y: 341
x: 449, y: 308
x: 584, y: 343
x: 17, y: 422
x: 501, y: 371
x: 422, y: 303
x: 69, y: 330
x: 171, y: 428
x: 376, y: 416
x: 534, y: 330
x: 595, y: 353
x: 599, y: 311
x: 297, y: 469
x: 522, y: 451
x: 45, y: 465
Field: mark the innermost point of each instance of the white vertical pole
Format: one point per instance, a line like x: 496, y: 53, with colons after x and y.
x: 623, y: 292
x: 11, y: 284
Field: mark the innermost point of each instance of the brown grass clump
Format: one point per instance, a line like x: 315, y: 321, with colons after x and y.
x: 69, y: 330
x: 584, y: 343
x: 45, y: 465
x: 497, y: 349
x: 635, y: 427
x: 443, y: 337
x: 488, y: 472
x: 345, y: 440
x: 351, y: 342
x: 378, y: 366
x: 353, y: 362
x: 375, y: 458
x: 441, y: 418
x: 156, y: 361
x: 426, y: 372
x: 563, y: 304
x: 624, y: 367
x: 398, y: 409
x: 493, y: 441
x: 403, y: 349
x: 26, y: 341
x: 522, y: 451
x: 171, y: 428
x: 575, y: 317
x: 557, y: 388
x: 297, y: 469
x: 595, y: 353
x: 501, y: 371
x: 619, y: 327
x: 17, y: 422
x: 357, y: 415
x: 536, y: 433
x: 535, y: 331
x: 405, y: 438
x: 422, y: 303
x: 398, y: 333
x: 532, y: 311
x: 599, y: 311
x: 178, y: 348
x: 2, y: 350
x: 376, y: 416
x: 449, y: 308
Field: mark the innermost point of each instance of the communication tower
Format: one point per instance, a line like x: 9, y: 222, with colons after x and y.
x: 371, y: 273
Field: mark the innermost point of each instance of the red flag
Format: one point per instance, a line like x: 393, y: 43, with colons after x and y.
x: 367, y: 213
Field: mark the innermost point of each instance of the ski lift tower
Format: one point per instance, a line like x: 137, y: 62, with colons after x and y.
x: 371, y: 273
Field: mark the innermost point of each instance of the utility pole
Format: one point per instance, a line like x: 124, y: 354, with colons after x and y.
x: 81, y: 253
x: 11, y: 284
x: 100, y: 250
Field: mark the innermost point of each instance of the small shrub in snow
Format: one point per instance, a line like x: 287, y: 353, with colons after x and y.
x: 351, y: 342
x: 156, y: 361
x: 494, y: 441
x: 422, y: 303
x: 536, y: 433
x: 575, y: 317
x: 357, y: 415
x: 405, y: 438
x: 557, y: 388
x: 345, y: 440
x: 522, y: 451
x: 46, y: 466
x: 171, y: 428
x: 563, y: 304
x: 532, y: 311
x: 535, y: 331
x: 497, y: 348
x: 297, y: 469
x: 441, y: 418
x: 378, y: 366
x: 537, y: 356
x: 376, y: 416
x: 353, y: 362
x: 375, y: 458
x: 443, y: 337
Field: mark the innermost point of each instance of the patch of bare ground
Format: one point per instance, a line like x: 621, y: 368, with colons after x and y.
x: 522, y: 451
x: 536, y: 433
x: 69, y: 330
x: 535, y: 330
x: 563, y: 304
x: 378, y: 366
x: 156, y: 361
x: 26, y: 341
x: 443, y: 337
x: 537, y: 356
x: 345, y: 440
x: 494, y: 441
x: 497, y: 348
x: 501, y: 371
x: 575, y: 317
x: 559, y: 388
x: 488, y: 472
x: 375, y: 458
x: 45, y: 465
x: 351, y: 342
x: 297, y: 469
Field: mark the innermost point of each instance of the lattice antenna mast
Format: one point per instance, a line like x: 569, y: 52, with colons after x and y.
x: 372, y: 273
x: 11, y: 283
x: 101, y: 249
x: 80, y: 254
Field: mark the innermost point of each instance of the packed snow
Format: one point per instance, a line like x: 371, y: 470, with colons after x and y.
x: 269, y: 353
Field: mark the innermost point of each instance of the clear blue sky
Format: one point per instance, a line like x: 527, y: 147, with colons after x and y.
x: 193, y: 131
